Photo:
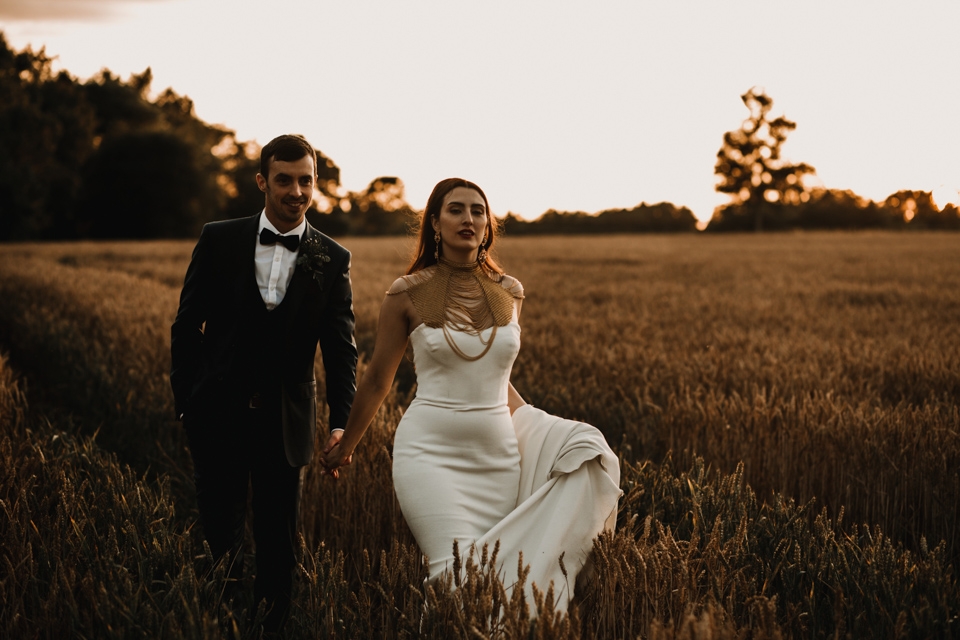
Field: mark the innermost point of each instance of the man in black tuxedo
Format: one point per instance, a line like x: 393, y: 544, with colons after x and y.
x: 259, y: 295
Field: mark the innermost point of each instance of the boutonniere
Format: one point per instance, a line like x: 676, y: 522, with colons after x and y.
x: 313, y: 255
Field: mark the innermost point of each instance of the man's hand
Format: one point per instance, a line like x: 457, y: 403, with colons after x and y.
x: 333, y: 457
x: 332, y: 440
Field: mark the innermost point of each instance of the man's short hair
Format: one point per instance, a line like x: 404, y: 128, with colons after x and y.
x: 286, y: 148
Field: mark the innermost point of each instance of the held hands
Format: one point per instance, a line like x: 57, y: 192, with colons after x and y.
x: 333, y: 456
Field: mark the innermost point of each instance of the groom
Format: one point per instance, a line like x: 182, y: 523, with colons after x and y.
x: 259, y: 295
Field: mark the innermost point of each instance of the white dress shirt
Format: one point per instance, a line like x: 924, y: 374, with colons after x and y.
x: 275, y: 263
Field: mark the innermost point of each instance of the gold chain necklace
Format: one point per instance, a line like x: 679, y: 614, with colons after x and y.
x: 462, y: 298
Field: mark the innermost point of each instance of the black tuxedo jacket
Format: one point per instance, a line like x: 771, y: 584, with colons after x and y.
x: 214, y: 333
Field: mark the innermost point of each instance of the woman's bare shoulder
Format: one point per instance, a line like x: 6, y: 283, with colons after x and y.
x: 512, y: 285
x: 405, y: 283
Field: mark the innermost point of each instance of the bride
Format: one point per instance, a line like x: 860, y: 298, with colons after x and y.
x: 473, y: 463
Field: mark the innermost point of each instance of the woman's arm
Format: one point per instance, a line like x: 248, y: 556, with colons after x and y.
x: 514, y: 401
x: 391, y: 343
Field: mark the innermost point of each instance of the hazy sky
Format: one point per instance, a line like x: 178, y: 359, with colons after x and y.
x: 583, y: 105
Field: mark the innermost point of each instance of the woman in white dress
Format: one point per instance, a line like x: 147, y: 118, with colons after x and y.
x: 473, y: 463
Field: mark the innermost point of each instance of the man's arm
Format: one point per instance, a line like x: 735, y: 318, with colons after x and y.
x: 186, y: 334
x: 337, y: 345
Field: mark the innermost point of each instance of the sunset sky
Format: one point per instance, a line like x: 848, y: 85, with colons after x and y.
x: 580, y: 105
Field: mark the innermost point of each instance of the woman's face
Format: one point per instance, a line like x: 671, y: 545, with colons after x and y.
x: 462, y: 224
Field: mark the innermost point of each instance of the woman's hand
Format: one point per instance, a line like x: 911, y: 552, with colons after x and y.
x: 374, y: 385
x: 335, y: 458
x: 332, y: 457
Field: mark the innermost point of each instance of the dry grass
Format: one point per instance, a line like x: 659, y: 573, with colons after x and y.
x: 828, y: 364
x: 740, y: 378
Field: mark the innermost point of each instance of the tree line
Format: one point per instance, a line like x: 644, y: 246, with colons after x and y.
x: 768, y: 192
x: 102, y: 159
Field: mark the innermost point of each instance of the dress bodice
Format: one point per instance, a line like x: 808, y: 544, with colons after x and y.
x: 446, y: 379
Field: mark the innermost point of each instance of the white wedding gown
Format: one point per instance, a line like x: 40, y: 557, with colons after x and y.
x: 465, y: 470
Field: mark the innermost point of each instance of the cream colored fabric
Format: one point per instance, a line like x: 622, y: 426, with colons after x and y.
x: 465, y: 470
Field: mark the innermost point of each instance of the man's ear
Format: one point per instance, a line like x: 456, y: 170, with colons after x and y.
x: 261, y: 182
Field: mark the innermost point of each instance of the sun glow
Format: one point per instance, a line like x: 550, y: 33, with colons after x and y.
x: 944, y: 195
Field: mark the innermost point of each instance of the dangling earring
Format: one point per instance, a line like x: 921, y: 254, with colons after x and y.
x: 482, y: 253
x: 436, y: 240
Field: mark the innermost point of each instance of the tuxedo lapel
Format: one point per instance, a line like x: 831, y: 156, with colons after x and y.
x: 300, y: 283
x: 246, y: 263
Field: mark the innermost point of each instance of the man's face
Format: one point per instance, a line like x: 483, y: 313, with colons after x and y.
x: 289, y: 191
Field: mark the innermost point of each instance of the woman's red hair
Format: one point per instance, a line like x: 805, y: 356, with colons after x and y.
x: 426, y: 245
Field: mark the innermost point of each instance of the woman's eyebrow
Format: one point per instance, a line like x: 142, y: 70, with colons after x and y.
x: 476, y: 205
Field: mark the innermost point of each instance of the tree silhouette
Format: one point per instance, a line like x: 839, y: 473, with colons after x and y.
x: 837, y: 209
x: 102, y: 158
x: 751, y: 169
x: 145, y: 184
x: 46, y: 132
x: 663, y: 217
x: 241, y: 162
x: 919, y: 211
x: 380, y: 209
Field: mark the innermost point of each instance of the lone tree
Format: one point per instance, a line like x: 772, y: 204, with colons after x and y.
x: 760, y: 183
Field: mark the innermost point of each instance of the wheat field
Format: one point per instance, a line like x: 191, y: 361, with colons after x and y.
x: 784, y: 406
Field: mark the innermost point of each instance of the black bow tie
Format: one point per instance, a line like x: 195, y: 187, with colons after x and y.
x: 269, y: 237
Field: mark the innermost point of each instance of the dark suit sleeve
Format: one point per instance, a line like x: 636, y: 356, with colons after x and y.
x: 337, y: 345
x: 186, y: 334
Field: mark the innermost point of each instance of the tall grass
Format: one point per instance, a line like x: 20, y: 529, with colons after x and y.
x: 755, y: 388
x: 89, y: 547
x: 826, y: 363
